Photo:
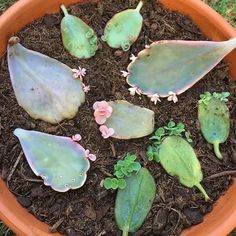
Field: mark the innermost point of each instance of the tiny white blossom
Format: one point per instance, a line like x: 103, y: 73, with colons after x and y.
x: 172, y: 97
x: 133, y: 58
x: 154, y: 98
x: 124, y: 73
x: 135, y: 90
x: 79, y: 73
x: 147, y: 46
x: 86, y: 89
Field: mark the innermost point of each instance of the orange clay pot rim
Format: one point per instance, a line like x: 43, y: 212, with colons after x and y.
x: 29, y: 225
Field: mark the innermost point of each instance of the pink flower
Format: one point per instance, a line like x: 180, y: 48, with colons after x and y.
x: 102, y: 111
x: 89, y: 156
x: 133, y: 58
x: 86, y: 89
x: 80, y: 73
x: 76, y: 137
x: 125, y: 73
x: 135, y: 90
x: 172, y: 97
x: 154, y: 98
x: 106, y: 132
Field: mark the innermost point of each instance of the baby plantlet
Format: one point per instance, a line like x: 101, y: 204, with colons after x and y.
x: 176, y: 155
x: 60, y: 161
x: 78, y: 38
x: 214, y: 118
x: 123, y: 168
x: 43, y: 86
x: 124, y: 28
x: 123, y: 120
x: 168, y: 68
x: 135, y: 201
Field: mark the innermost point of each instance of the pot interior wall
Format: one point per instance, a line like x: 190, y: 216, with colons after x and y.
x: 222, y: 219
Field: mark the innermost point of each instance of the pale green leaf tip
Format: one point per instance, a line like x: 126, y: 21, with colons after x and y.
x: 140, y: 5
x: 203, y: 191
x: 216, y: 146
x: 63, y: 8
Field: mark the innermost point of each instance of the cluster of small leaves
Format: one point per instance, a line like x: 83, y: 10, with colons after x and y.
x: 123, y: 168
x: 207, y: 96
x: 172, y: 129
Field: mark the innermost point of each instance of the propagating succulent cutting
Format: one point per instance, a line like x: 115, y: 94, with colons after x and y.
x: 43, y: 86
x: 135, y: 201
x: 176, y: 155
x: 78, y: 38
x: 124, y: 28
x: 214, y: 118
x: 123, y: 168
x: 60, y: 161
x: 169, y: 68
x: 123, y: 120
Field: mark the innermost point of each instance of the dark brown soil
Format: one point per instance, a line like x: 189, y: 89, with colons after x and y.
x: 90, y: 210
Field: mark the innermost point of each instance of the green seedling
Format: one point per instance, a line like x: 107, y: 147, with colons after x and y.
x: 214, y: 119
x: 123, y: 168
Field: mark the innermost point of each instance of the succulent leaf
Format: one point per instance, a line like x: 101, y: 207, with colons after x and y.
x: 168, y: 68
x: 78, y: 38
x: 179, y: 159
x: 43, y: 86
x: 124, y: 28
x: 61, y: 162
x: 214, y: 118
x: 129, y: 121
x: 135, y: 201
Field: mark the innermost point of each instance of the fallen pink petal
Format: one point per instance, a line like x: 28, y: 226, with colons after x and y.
x: 76, y: 137
x: 106, y: 132
x: 90, y: 156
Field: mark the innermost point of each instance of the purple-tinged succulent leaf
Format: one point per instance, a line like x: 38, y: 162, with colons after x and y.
x: 43, y: 86
x: 168, y: 68
x: 129, y: 121
x: 61, y: 162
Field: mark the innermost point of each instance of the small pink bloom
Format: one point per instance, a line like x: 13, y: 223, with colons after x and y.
x: 86, y: 89
x: 89, y: 156
x: 133, y: 58
x: 76, y: 137
x: 135, y: 90
x: 154, y: 98
x: 172, y: 97
x: 102, y: 111
x: 106, y: 132
x: 80, y: 73
x: 124, y: 73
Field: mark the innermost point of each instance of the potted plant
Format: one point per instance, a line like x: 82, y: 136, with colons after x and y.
x: 222, y: 219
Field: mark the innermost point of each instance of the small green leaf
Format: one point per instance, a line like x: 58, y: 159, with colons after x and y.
x: 121, y: 183
x: 107, y: 183
x: 171, y: 124
x: 119, y: 174
x: 135, y: 201
x: 160, y: 132
x: 114, y: 183
x: 136, y: 166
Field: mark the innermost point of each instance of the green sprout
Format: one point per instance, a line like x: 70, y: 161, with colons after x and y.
x: 123, y: 168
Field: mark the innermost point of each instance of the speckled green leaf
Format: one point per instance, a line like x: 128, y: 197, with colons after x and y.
x: 214, y: 121
x: 130, y: 121
x: 124, y: 28
x: 60, y: 161
x: 179, y: 159
x: 135, y: 201
x: 78, y: 38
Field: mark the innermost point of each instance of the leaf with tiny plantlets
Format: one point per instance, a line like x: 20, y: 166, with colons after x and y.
x: 168, y: 68
x: 124, y: 28
x: 43, y: 86
x: 61, y: 162
x: 78, y: 38
x: 135, y: 201
x: 129, y: 121
x: 178, y: 158
x: 214, y: 119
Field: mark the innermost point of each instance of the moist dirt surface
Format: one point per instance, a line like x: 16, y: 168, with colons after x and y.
x: 90, y: 209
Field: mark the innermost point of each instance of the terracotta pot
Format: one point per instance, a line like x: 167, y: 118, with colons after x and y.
x: 223, y: 217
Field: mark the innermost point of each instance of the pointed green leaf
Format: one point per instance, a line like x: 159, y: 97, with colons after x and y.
x: 124, y: 28
x: 214, y: 121
x: 78, y: 38
x: 174, y: 66
x: 60, y: 161
x: 135, y: 201
x: 130, y: 121
x: 179, y: 159
x: 43, y: 86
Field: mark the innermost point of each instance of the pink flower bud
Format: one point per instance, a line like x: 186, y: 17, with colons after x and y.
x: 106, y: 132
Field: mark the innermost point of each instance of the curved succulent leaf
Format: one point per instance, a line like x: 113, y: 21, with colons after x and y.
x: 130, y: 121
x: 78, y: 38
x: 179, y: 159
x: 43, y: 86
x: 60, y: 161
x: 175, y: 66
x: 214, y: 121
x: 135, y: 201
x: 124, y: 28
